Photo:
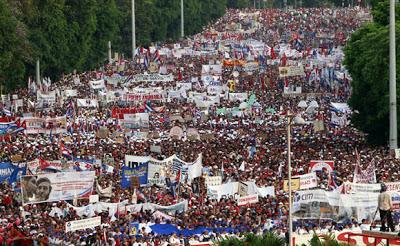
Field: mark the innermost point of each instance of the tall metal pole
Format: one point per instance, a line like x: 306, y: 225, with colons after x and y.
x: 392, y: 78
x: 38, y: 72
x: 109, y: 52
x: 290, y: 180
x: 182, y: 20
x: 133, y: 30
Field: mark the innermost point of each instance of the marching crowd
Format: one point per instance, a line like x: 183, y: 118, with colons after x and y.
x: 248, y: 144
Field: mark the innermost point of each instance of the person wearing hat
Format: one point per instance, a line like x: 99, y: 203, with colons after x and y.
x: 385, y: 207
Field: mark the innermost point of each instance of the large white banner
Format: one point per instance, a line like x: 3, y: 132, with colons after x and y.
x: 36, y: 125
x: 136, y: 121
x: 56, y: 186
x: 153, y: 77
x: 82, y: 224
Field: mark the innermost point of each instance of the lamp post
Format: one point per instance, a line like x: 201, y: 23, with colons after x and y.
x: 292, y: 119
x: 133, y: 31
x: 182, y: 21
x: 392, y: 78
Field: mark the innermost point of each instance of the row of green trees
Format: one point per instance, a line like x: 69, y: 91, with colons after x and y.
x: 367, y: 59
x: 73, y: 34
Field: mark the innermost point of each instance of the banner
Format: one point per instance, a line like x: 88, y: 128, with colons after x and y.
x: 136, y: 121
x: 334, y: 205
x: 82, y: 224
x: 36, y: 125
x: 321, y: 165
x: 152, y: 78
x: 244, y: 200
x: 134, y: 97
x: 308, y: 181
x: 291, y: 71
x: 98, y: 84
x: 345, y: 236
x: 56, y: 186
x: 45, y: 100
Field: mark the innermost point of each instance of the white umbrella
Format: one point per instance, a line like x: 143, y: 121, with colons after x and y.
x: 302, y: 104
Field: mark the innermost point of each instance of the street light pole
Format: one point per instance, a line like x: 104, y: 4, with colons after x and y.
x: 182, y: 21
x: 392, y: 78
x: 289, y: 178
x: 133, y: 31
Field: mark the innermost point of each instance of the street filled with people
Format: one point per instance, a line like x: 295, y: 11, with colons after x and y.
x: 187, y: 142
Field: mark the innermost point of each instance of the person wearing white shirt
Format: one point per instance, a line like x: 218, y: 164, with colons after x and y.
x: 174, y: 240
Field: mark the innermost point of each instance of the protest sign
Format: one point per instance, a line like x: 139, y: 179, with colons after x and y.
x: 321, y: 165
x: 295, y: 184
x: 244, y: 200
x: 82, y: 224
x: 291, y: 71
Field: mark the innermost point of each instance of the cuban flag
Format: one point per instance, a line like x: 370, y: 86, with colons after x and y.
x: 7, y: 112
x: 146, y: 62
x: 156, y: 56
x: 64, y: 151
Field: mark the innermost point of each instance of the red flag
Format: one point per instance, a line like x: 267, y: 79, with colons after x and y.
x: 179, y: 74
x: 283, y: 60
x: 43, y: 164
x: 273, y: 56
x: 178, y: 176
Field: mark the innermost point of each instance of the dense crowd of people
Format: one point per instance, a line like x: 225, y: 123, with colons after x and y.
x: 239, y: 140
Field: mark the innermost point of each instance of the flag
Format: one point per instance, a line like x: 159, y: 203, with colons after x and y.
x: 156, y: 56
x: 7, y: 112
x: 332, y: 181
x: 82, y: 165
x: 178, y: 176
x: 146, y: 62
x: 65, y: 152
x: 242, y: 167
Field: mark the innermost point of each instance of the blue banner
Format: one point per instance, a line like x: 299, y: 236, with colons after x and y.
x: 138, y: 171
x: 6, y: 169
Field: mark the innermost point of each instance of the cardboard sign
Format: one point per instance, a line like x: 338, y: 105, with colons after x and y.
x: 295, y: 184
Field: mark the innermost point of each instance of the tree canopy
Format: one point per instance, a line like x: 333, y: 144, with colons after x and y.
x: 367, y: 59
x: 73, y: 34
